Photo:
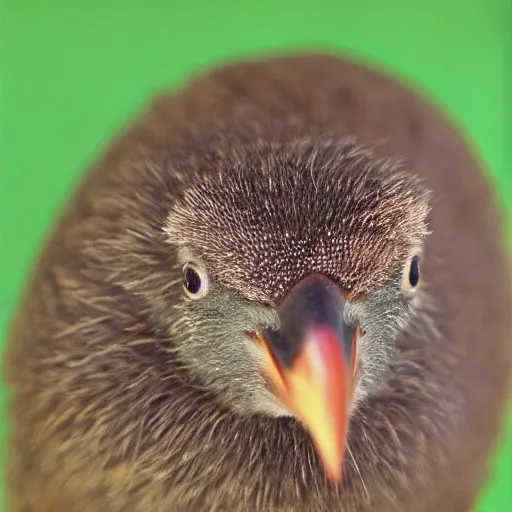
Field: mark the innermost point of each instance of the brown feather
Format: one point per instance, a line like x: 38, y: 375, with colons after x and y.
x: 104, y: 417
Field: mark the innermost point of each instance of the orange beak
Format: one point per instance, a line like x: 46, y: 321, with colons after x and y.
x: 311, y: 364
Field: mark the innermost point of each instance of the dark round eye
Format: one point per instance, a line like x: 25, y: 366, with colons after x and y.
x: 414, y: 272
x: 194, y: 281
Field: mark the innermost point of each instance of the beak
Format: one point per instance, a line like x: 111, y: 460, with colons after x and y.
x: 311, y: 365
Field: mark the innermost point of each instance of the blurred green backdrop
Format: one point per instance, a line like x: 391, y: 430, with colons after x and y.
x: 71, y: 72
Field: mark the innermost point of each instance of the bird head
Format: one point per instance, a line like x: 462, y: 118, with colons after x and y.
x: 298, y: 264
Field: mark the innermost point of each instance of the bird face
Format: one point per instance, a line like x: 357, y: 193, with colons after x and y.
x: 299, y: 266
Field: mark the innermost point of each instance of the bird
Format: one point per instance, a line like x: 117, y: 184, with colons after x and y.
x: 282, y: 287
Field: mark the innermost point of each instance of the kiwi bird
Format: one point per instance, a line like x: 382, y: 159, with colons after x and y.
x: 283, y: 288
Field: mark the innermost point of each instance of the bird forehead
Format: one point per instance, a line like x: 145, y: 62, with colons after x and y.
x: 266, y: 269
x: 261, y: 236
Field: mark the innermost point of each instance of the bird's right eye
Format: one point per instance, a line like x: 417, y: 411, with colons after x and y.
x: 195, y: 281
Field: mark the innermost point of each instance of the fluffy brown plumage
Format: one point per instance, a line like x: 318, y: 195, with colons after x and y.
x: 117, y: 402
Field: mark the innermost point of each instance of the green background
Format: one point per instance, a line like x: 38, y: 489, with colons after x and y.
x: 71, y: 72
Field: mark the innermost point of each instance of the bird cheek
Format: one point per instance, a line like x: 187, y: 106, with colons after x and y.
x: 357, y: 337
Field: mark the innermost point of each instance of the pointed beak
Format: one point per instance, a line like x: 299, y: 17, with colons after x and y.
x: 311, y: 365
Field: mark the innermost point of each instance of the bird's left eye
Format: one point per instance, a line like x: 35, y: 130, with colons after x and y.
x: 411, y: 277
x: 414, y: 272
x: 195, y: 281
